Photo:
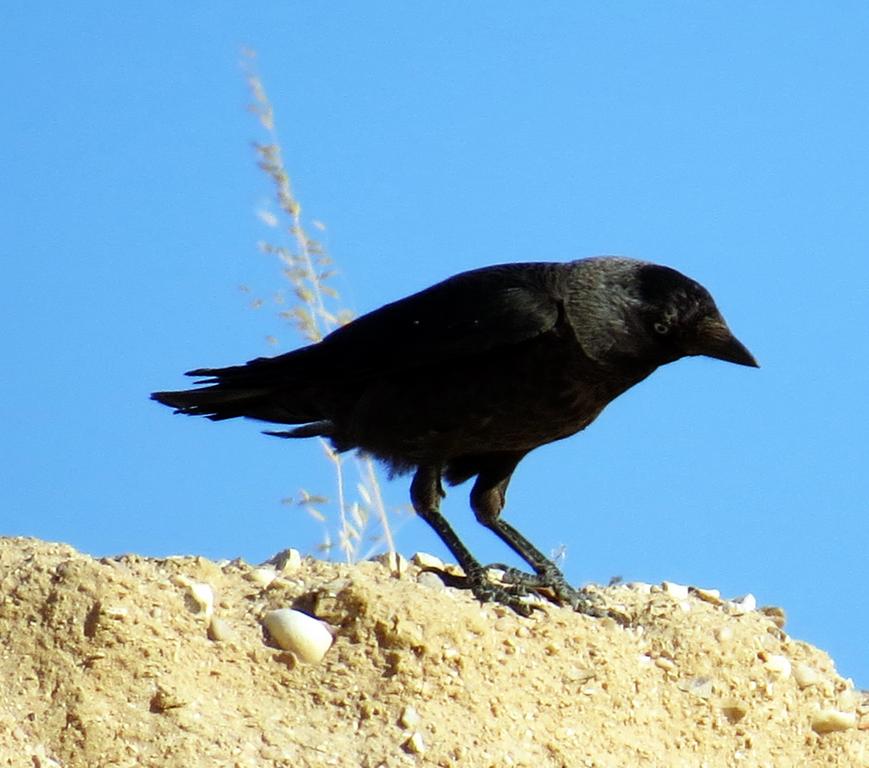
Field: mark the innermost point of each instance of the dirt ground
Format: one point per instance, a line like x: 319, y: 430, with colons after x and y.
x: 125, y: 662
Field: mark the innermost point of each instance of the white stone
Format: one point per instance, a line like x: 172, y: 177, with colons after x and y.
x: 679, y: 591
x: 744, y: 604
x: 409, y: 717
x: 395, y: 562
x: 200, y: 596
x: 708, y: 595
x: 415, y: 744
x: 116, y: 611
x: 286, y: 561
x: 303, y: 635
x: 219, y: 630
x: 805, y: 675
x: 830, y: 720
x: 262, y: 576
x: 778, y: 665
x: 425, y: 560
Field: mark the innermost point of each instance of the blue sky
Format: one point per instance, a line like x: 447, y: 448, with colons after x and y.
x: 728, y: 141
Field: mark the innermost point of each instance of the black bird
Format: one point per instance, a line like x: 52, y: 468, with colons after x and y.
x: 465, y: 378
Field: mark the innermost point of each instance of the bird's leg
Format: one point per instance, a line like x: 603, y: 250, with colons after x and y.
x: 487, y: 500
x: 425, y: 494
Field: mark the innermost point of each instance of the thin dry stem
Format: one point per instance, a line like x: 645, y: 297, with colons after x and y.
x: 308, y: 267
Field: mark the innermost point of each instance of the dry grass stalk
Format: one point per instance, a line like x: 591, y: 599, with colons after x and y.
x: 314, y: 313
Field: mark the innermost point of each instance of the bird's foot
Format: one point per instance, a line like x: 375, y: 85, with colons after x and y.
x: 517, y: 589
x: 513, y: 596
x: 550, y: 583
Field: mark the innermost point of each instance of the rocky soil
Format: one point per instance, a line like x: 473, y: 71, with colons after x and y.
x: 131, y: 661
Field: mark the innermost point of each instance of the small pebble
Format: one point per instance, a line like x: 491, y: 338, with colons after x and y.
x: 724, y: 634
x: 297, y: 632
x: 116, y: 611
x: 262, y: 576
x: 679, y: 591
x: 697, y: 686
x: 806, y: 676
x: 203, y: 594
x: 415, y: 745
x: 409, y: 717
x: 425, y: 560
x: 775, y: 614
x: 496, y: 574
x: 778, y: 665
x: 287, y: 560
x: 165, y: 699
x: 580, y: 675
x: 734, y: 710
x: 662, y: 662
x: 849, y: 699
x: 712, y: 596
x: 430, y: 579
x: 200, y: 595
x: 219, y: 630
x: 831, y: 720
x: 744, y: 604
x: 394, y: 562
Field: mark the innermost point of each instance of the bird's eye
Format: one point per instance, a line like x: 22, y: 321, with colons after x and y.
x: 661, y: 328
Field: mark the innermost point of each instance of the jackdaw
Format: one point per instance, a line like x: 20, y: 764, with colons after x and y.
x: 463, y: 379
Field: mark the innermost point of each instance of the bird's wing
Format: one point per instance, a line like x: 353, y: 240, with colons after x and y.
x: 466, y: 315
x: 463, y: 317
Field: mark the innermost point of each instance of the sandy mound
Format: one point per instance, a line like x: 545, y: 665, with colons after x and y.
x: 115, y: 662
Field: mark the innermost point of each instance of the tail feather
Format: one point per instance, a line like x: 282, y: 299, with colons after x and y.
x: 323, y: 428
x: 218, y: 403
x: 268, y: 389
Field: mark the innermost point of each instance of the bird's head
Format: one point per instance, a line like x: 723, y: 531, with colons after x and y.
x: 637, y: 312
x: 677, y: 317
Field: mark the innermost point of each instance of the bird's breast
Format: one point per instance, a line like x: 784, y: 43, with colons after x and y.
x: 513, y: 401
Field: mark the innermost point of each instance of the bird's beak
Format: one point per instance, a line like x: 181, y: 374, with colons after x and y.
x: 714, y: 339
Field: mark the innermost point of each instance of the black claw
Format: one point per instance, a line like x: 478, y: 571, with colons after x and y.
x: 487, y: 591
x: 520, y: 580
x: 550, y: 583
x: 515, y: 586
